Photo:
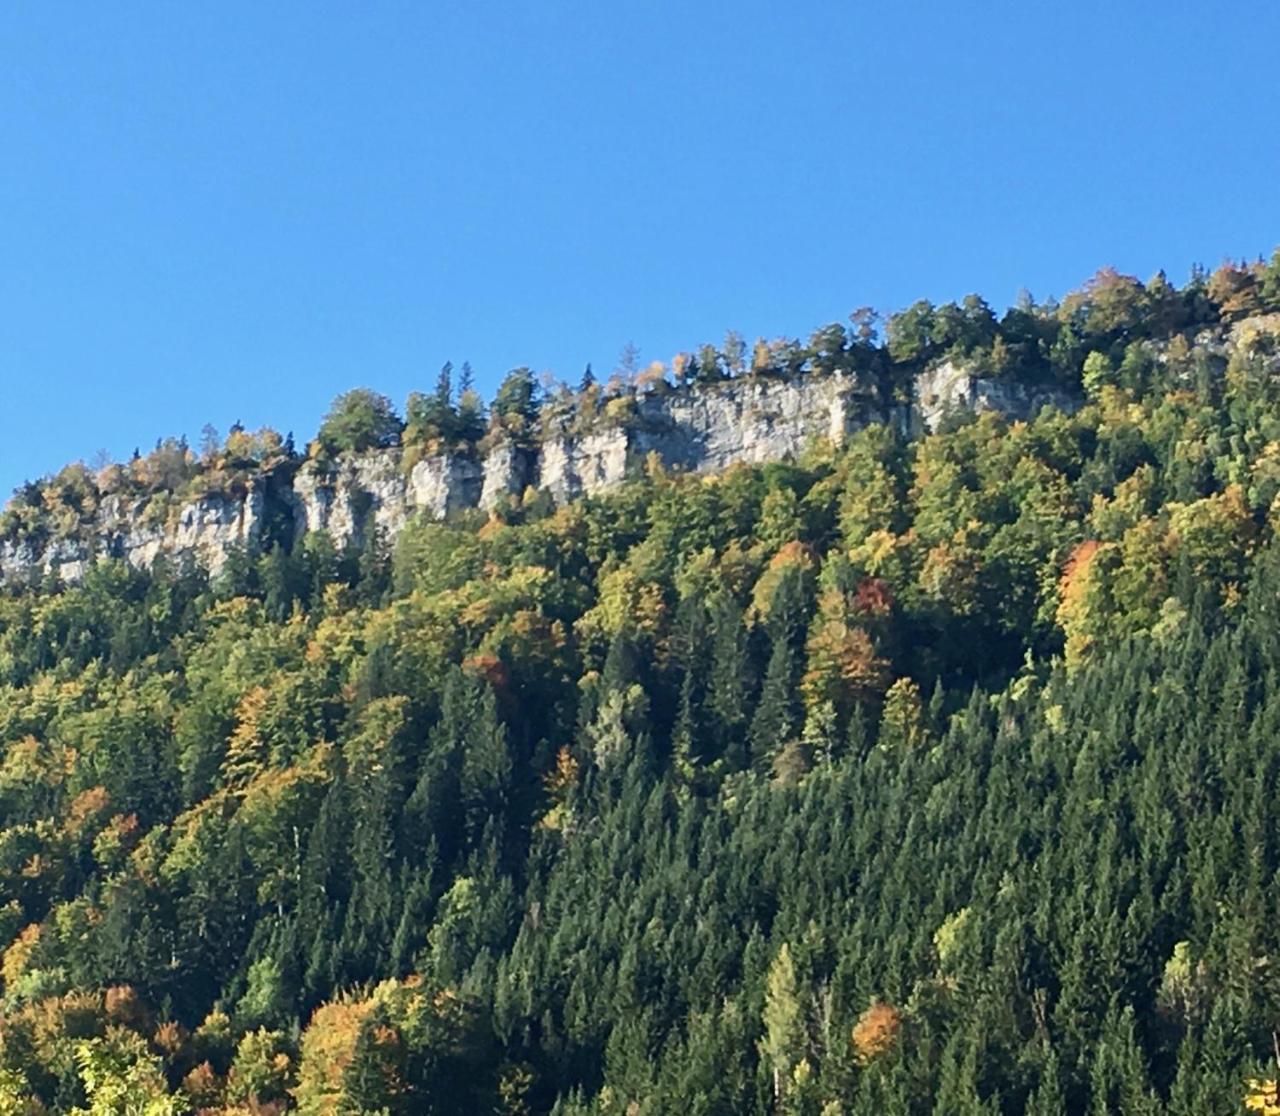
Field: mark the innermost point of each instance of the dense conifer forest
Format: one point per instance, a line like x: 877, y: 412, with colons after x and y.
x: 927, y: 773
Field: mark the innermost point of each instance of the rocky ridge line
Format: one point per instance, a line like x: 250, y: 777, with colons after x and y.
x: 696, y: 430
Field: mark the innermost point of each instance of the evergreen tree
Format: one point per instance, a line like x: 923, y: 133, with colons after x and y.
x: 777, y: 716
x: 730, y: 685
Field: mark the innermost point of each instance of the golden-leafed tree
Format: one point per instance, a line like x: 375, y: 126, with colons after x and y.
x: 328, y: 1046
x: 843, y: 666
x: 1236, y: 290
x: 783, y: 1044
x: 1076, y: 600
x: 902, y: 726
x: 876, y: 1032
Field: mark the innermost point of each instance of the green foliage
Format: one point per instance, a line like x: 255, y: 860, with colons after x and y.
x: 927, y: 775
x: 1098, y: 373
x: 119, y: 1076
x: 515, y: 406
x: 783, y: 1027
x: 359, y: 420
x: 437, y: 422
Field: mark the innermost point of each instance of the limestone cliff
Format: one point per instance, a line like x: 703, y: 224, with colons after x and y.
x: 205, y: 530
x: 697, y: 430
x: 948, y: 389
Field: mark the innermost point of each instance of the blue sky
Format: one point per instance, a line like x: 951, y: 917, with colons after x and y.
x: 212, y: 212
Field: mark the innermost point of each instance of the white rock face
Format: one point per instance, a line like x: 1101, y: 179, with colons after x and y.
x: 209, y: 528
x: 697, y: 430
x: 17, y: 559
x: 507, y: 473
x: 753, y: 420
x: 206, y: 530
x: 358, y: 493
x: 444, y: 484
x: 947, y: 389
x: 571, y: 466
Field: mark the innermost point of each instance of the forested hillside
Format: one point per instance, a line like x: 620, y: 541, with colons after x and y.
x: 924, y: 773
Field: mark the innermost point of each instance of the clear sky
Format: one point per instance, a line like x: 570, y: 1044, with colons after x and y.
x: 212, y: 212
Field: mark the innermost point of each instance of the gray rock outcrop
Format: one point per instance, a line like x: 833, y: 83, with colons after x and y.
x: 698, y: 430
x: 947, y: 389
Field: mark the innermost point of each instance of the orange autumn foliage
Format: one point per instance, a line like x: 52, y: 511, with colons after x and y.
x: 491, y: 669
x: 876, y: 1031
x: 564, y: 776
x: 873, y: 597
x: 1076, y: 571
x: 327, y: 1049
x: 18, y: 956
x: 86, y: 807
x: 123, y: 1005
x: 1073, y: 591
x: 203, y: 1085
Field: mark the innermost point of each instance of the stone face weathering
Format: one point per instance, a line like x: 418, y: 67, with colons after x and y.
x: 697, y: 430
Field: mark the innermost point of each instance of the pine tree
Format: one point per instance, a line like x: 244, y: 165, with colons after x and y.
x: 623, y: 665
x: 691, y: 739
x: 1046, y: 1098
x: 729, y: 686
x: 411, y: 931
x: 276, y: 576
x: 487, y: 772
x: 777, y: 716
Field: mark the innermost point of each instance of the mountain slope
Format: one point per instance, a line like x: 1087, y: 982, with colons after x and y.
x: 925, y: 771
